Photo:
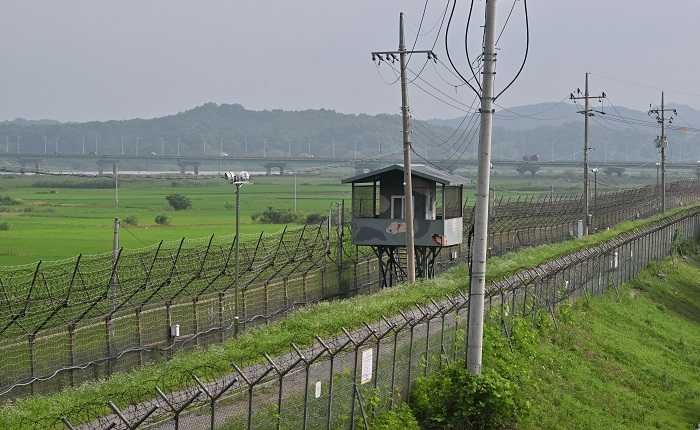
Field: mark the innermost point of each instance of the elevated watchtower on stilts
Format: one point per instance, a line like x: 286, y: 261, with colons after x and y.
x: 378, y: 217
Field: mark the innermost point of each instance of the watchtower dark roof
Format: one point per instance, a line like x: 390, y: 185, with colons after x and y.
x: 419, y: 170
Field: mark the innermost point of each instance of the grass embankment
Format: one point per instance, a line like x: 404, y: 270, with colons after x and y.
x: 627, y: 362
x: 324, y: 319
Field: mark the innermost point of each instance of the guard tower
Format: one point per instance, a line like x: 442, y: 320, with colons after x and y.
x: 378, y: 217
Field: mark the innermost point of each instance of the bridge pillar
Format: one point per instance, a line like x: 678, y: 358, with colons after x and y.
x: 114, y: 174
x: 196, y: 169
x: 268, y: 170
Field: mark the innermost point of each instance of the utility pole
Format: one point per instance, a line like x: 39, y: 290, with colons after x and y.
x: 115, y: 241
x: 477, y: 284
x: 295, y: 191
x: 595, y: 191
x: 662, y: 142
x: 406, y: 114
x: 84, y: 140
x: 587, y: 113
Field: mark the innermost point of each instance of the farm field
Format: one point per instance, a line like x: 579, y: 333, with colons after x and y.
x: 60, y: 217
x: 53, y: 222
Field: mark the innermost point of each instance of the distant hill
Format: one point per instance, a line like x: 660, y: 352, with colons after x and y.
x: 555, y: 131
x: 217, y: 128
x: 552, y: 130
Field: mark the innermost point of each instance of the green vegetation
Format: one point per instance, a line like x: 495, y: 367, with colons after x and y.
x: 622, y: 361
x: 401, y: 417
x: 132, y: 220
x: 162, y: 220
x: 454, y: 399
x: 275, y: 216
x: 4, y: 226
x: 323, y: 319
x: 178, y: 202
x: 8, y: 201
x: 630, y: 362
x: 58, y: 222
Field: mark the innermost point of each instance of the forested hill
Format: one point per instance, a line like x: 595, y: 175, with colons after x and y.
x: 228, y: 128
x: 552, y: 130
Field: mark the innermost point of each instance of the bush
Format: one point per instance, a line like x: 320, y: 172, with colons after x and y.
x: 178, y: 202
x: 314, y: 219
x: 162, y: 220
x: 453, y: 398
x: 131, y: 220
x: 275, y: 216
x: 4, y: 226
x: 398, y: 418
x: 8, y: 201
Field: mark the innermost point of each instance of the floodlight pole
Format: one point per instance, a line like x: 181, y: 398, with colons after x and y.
x: 238, y: 186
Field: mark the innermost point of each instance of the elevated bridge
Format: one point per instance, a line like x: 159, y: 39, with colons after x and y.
x: 185, y: 163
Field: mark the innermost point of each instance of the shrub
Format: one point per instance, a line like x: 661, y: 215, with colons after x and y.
x: 178, y: 202
x: 131, y: 220
x: 400, y: 417
x: 4, y: 226
x: 453, y: 398
x: 8, y: 201
x: 275, y: 216
x: 162, y: 220
x: 314, y: 219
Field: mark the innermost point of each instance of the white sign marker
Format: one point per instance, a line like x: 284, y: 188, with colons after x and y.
x: 366, y: 366
x: 318, y: 389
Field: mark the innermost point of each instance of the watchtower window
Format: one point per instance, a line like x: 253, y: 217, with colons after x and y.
x: 363, y: 201
x: 397, y: 207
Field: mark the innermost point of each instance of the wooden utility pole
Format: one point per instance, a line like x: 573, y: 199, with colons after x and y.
x: 587, y: 113
x: 662, y: 142
x: 406, y: 115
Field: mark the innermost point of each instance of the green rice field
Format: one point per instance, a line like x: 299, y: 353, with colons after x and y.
x: 50, y: 221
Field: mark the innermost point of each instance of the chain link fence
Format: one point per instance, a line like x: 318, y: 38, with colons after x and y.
x: 338, y: 382
x: 66, y: 322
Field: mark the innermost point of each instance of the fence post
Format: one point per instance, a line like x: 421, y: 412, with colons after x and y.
x: 139, y: 334
x: 303, y: 288
x: 71, y: 353
x: 32, y: 361
x: 169, y: 323
x: 220, y: 314
x: 195, y: 320
x: 108, y: 345
x: 266, y: 309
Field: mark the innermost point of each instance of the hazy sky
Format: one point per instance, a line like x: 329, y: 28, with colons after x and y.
x: 96, y: 59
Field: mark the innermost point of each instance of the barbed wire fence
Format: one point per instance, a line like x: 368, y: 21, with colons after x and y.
x: 84, y: 318
x: 341, y: 382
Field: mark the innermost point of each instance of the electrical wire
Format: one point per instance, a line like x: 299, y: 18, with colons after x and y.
x: 447, y: 50
x: 527, y: 51
x: 505, y: 24
x: 420, y: 26
x: 437, y: 38
x: 466, y: 46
